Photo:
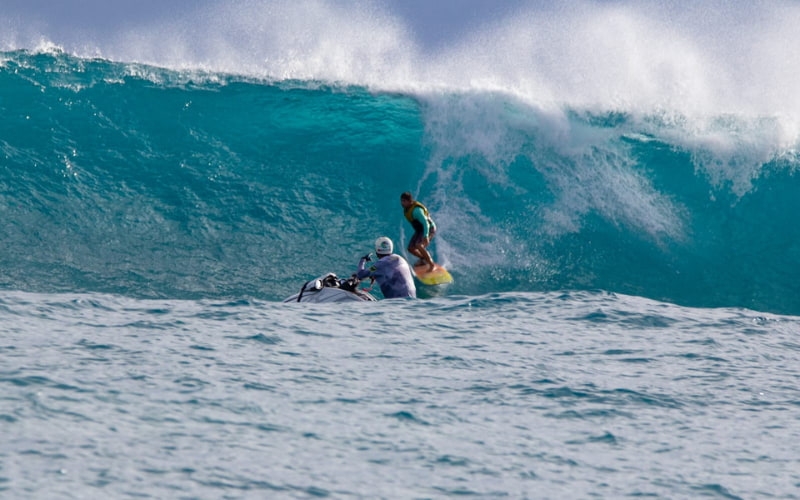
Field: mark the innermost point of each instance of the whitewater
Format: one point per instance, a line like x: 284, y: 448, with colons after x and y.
x: 615, y: 187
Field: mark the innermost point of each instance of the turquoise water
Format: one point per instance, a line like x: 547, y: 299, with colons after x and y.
x: 616, y: 200
x: 520, y: 395
x: 193, y: 185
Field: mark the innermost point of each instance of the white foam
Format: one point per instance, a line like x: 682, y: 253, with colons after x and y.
x: 705, y: 59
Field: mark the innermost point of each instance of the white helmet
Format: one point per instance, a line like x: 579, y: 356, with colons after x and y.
x: 384, y: 246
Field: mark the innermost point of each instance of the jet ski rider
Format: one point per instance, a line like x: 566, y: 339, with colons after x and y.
x: 391, y: 271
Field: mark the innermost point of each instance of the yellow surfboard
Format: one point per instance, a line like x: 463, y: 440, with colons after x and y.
x: 439, y: 275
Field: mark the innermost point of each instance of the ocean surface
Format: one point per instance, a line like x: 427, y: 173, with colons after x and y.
x: 616, y: 191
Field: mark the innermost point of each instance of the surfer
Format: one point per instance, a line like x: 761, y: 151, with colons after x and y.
x: 424, y: 229
x: 391, y: 271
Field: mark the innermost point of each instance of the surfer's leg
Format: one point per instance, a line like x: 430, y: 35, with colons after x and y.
x: 414, y: 246
x: 427, y: 256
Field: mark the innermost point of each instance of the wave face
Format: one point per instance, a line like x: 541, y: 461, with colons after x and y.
x: 189, y: 182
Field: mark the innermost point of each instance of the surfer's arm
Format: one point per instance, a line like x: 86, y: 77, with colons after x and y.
x: 419, y: 215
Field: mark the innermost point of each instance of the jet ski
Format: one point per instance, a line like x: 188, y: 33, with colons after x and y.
x: 330, y: 288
